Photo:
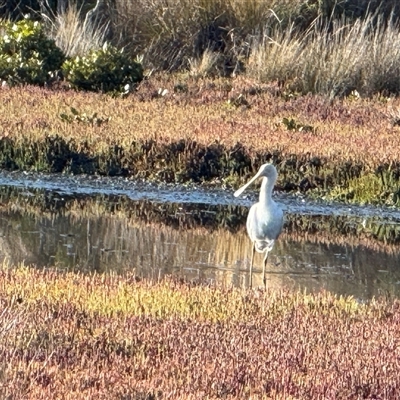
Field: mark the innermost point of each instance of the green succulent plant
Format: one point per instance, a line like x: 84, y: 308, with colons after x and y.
x: 27, y: 55
x: 106, y: 70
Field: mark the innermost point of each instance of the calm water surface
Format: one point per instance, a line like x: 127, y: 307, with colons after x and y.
x: 111, y: 225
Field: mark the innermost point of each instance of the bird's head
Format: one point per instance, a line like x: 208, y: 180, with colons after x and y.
x: 266, y: 171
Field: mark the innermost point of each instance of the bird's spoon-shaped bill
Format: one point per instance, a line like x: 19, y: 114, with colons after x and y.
x: 246, y: 185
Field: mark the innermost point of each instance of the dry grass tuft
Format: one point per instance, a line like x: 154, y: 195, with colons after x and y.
x: 205, y: 65
x: 330, y: 59
x: 73, y: 34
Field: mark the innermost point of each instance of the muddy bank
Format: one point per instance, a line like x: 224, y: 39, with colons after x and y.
x: 186, y: 161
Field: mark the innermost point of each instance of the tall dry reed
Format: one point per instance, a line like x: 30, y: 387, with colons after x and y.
x: 73, y: 33
x: 332, y: 59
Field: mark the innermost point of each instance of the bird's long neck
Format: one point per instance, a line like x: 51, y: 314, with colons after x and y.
x: 267, y: 186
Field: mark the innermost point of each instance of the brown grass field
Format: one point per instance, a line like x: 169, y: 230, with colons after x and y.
x: 70, y: 336
x: 208, y: 111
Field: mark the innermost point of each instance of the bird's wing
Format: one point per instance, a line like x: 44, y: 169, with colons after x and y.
x: 264, y: 227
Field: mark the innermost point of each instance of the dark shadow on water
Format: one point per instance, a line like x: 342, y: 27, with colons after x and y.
x: 344, y: 254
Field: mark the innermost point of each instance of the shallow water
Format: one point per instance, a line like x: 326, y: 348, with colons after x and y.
x: 102, y: 224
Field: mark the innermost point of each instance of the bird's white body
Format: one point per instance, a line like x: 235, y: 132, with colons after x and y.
x: 264, y: 226
x: 265, y: 219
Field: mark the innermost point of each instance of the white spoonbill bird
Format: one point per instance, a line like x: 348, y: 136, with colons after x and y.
x: 265, y: 219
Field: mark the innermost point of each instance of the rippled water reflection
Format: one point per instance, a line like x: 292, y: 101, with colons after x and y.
x: 196, y: 242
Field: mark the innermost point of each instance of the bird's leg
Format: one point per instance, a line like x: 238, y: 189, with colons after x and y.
x: 251, y: 264
x: 264, y: 266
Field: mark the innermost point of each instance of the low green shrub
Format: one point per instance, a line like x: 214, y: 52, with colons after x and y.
x: 27, y: 55
x: 108, y: 69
